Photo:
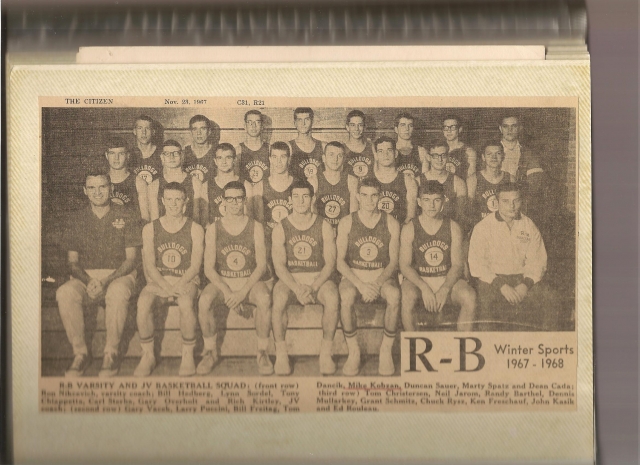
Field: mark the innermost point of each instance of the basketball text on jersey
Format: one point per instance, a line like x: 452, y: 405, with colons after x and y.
x: 279, y: 210
x: 302, y: 245
x: 333, y: 205
x: 434, y: 254
x: 388, y: 200
x: 171, y: 253
x: 120, y: 198
x: 360, y: 165
x: 256, y: 170
x: 146, y: 172
x: 220, y: 207
x: 198, y: 170
x: 236, y: 258
x: 452, y: 165
x: 409, y: 167
x: 118, y: 223
x: 492, y: 201
x: 309, y: 166
x: 368, y: 247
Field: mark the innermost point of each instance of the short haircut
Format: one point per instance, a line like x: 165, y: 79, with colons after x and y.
x: 509, y: 187
x: 383, y: 139
x: 431, y: 187
x: 280, y: 146
x: 200, y: 118
x: 97, y: 168
x: 334, y: 143
x: 300, y: 110
x: 252, y: 112
x: 404, y: 115
x: 354, y: 113
x: 437, y: 142
x: 234, y: 185
x: 491, y: 143
x: 370, y: 182
x: 301, y: 184
x: 171, y: 143
x: 456, y: 118
x: 226, y: 146
x: 510, y: 115
x: 116, y: 142
x: 147, y: 118
x: 174, y: 186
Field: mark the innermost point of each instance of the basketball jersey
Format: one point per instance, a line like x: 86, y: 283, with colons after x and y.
x: 393, y: 198
x: 458, y: 163
x: 148, y: 169
x: 173, y: 250
x: 254, y: 164
x: 432, y: 253
x: 276, y: 205
x: 360, y: 164
x: 485, y: 201
x: 303, y: 164
x: 450, y: 197
x: 333, y: 201
x: 235, y: 255
x: 368, y: 248
x: 203, y: 168
x: 304, y: 248
x: 188, y: 186
x: 124, y: 193
x: 217, y: 207
x: 409, y: 163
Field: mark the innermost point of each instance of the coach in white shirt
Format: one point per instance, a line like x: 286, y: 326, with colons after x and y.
x: 508, y: 257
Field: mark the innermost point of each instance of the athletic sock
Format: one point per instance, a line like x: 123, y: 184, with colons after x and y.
x: 147, y: 345
x: 281, y: 347
x: 210, y: 343
x: 326, y: 346
x: 188, y: 344
x: 263, y: 344
x: 387, y: 340
x: 352, y: 340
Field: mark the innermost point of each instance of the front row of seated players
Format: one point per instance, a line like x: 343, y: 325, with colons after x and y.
x: 367, y: 257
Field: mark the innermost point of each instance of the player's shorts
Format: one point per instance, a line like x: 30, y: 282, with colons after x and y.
x: 435, y: 282
x: 305, y: 277
x: 159, y: 292
x: 367, y: 276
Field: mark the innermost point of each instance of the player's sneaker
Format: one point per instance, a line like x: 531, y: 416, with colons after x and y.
x: 352, y: 366
x: 282, y: 366
x: 109, y: 366
x: 77, y: 367
x: 146, y: 365
x: 385, y: 364
x: 327, y: 365
x: 188, y: 365
x: 265, y: 367
x: 209, y: 360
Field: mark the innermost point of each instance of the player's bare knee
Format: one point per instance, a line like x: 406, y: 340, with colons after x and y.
x: 68, y: 294
x: 117, y: 293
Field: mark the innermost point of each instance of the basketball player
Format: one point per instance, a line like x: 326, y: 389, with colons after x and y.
x: 225, y: 159
x: 306, y: 152
x: 123, y: 183
x: 336, y: 189
x: 172, y: 171
x: 271, y: 195
x: 431, y: 262
x: 368, y: 245
x: 411, y: 158
x: 455, y: 189
x: 398, y: 192
x: 102, y: 254
x: 304, y: 258
x: 359, y: 154
x: 199, y: 156
x: 254, y: 152
x: 483, y: 185
x: 172, y: 249
x: 462, y: 158
x: 235, y: 260
x: 146, y: 163
x: 508, y: 257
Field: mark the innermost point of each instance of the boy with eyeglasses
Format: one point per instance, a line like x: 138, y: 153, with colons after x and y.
x: 462, y: 158
x: 235, y: 262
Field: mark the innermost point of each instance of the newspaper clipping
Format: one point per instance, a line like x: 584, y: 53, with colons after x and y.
x: 288, y: 255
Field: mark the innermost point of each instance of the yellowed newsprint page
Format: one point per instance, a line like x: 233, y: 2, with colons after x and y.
x: 323, y: 262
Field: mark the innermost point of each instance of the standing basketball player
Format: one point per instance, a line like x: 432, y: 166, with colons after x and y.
x: 123, y: 183
x: 431, y: 262
x: 102, y: 254
x: 172, y: 171
x: 398, y: 192
x: 336, y: 189
x: 484, y: 184
x: 304, y: 258
x: 368, y: 246
x: 359, y: 154
x: 172, y: 249
x: 235, y: 260
x: 306, y: 152
x: 411, y: 157
x: 225, y: 160
x: 455, y: 189
x: 199, y: 156
x: 253, y: 152
x: 462, y: 158
x: 146, y: 163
